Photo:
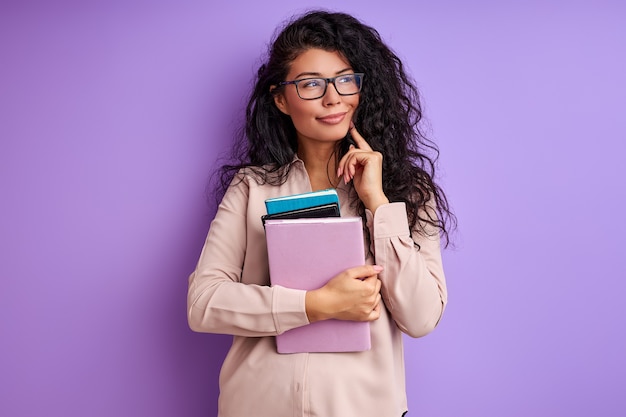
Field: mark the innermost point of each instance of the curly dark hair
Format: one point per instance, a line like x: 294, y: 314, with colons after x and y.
x: 388, y: 117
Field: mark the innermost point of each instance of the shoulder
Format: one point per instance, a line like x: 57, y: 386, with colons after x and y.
x: 252, y: 175
x: 267, y: 179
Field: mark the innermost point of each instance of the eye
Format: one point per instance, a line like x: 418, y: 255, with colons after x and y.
x: 346, y: 79
x: 311, y: 83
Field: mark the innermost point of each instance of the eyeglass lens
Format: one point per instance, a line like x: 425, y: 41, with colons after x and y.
x: 312, y: 88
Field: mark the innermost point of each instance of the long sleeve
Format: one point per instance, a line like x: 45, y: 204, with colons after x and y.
x: 229, y: 292
x: 219, y: 300
x: 414, y: 287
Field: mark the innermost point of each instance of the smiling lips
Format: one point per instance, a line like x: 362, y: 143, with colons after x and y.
x: 333, y: 119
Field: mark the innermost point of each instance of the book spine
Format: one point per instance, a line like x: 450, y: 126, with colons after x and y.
x: 281, y: 206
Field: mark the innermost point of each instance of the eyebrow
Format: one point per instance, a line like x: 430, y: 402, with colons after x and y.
x: 317, y: 74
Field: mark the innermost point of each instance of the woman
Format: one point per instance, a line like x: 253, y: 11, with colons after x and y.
x: 332, y: 107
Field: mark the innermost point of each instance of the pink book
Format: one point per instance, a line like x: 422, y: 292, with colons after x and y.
x: 305, y: 254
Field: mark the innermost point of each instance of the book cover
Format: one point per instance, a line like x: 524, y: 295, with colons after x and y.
x: 326, y: 210
x: 301, y: 201
x: 305, y: 254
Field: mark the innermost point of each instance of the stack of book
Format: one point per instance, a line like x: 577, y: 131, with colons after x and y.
x: 308, y: 243
x: 316, y: 204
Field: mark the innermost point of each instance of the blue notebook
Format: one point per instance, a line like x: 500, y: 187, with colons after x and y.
x: 301, y: 201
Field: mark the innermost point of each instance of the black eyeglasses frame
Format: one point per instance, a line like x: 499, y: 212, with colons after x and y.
x: 358, y: 79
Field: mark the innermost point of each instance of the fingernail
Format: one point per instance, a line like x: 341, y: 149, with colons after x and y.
x: 351, y: 124
x: 377, y: 268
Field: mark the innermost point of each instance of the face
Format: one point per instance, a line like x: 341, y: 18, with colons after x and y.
x: 326, y: 119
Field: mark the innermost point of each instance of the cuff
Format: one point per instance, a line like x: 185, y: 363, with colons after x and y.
x: 390, y: 220
x: 288, y: 309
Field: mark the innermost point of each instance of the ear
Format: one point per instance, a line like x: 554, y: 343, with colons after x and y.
x: 279, y: 100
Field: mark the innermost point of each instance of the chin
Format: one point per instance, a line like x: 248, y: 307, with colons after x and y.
x: 338, y: 134
x: 326, y: 134
x: 333, y: 138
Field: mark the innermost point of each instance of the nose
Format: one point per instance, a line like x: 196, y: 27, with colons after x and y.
x: 331, y: 96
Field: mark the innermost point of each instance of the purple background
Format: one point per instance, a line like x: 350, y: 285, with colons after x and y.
x: 113, y: 114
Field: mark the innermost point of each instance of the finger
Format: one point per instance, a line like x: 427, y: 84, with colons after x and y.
x: 342, y: 162
x: 344, y: 165
x: 364, y: 271
x: 375, y: 314
x: 371, y: 283
x: 377, y: 302
x: 349, y: 168
x: 351, y: 162
x: 361, y: 143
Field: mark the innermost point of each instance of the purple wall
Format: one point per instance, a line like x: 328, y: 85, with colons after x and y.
x: 112, y: 117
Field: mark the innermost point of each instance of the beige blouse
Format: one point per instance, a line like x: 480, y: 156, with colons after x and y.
x: 229, y: 293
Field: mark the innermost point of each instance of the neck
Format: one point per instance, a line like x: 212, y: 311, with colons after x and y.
x: 321, y: 164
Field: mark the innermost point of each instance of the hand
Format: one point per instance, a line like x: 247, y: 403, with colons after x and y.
x: 354, y: 295
x: 364, y: 167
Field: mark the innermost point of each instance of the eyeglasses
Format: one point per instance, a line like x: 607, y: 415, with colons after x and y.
x: 314, y: 88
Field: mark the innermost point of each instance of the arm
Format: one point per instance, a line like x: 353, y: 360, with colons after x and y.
x: 413, y: 282
x: 217, y: 300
